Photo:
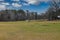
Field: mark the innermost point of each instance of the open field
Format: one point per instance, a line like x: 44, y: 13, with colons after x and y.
x: 33, y: 30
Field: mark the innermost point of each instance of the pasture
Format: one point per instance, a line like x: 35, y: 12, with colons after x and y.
x: 34, y: 30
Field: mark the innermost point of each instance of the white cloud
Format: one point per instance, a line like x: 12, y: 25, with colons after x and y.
x: 16, y: 5
x: 25, y: 4
x: 1, y: 0
x: 31, y: 1
x: 2, y: 7
x: 5, y: 3
x: 35, y: 1
x: 44, y: 0
x: 14, y: 0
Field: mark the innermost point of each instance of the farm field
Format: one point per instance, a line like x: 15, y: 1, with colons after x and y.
x: 34, y: 30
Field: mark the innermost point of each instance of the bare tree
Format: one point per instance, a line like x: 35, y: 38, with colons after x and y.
x: 53, y: 10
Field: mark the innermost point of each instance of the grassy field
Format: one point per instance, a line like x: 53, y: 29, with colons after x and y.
x: 34, y: 30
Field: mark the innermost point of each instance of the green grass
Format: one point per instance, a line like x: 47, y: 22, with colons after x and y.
x: 34, y: 30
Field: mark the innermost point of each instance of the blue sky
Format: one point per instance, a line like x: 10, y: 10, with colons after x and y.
x: 39, y: 6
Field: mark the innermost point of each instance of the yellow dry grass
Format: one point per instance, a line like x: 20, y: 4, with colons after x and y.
x: 47, y: 30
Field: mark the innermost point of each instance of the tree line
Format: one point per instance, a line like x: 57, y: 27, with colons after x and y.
x: 16, y: 15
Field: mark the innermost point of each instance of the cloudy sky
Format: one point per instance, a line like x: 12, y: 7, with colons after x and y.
x: 39, y: 6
